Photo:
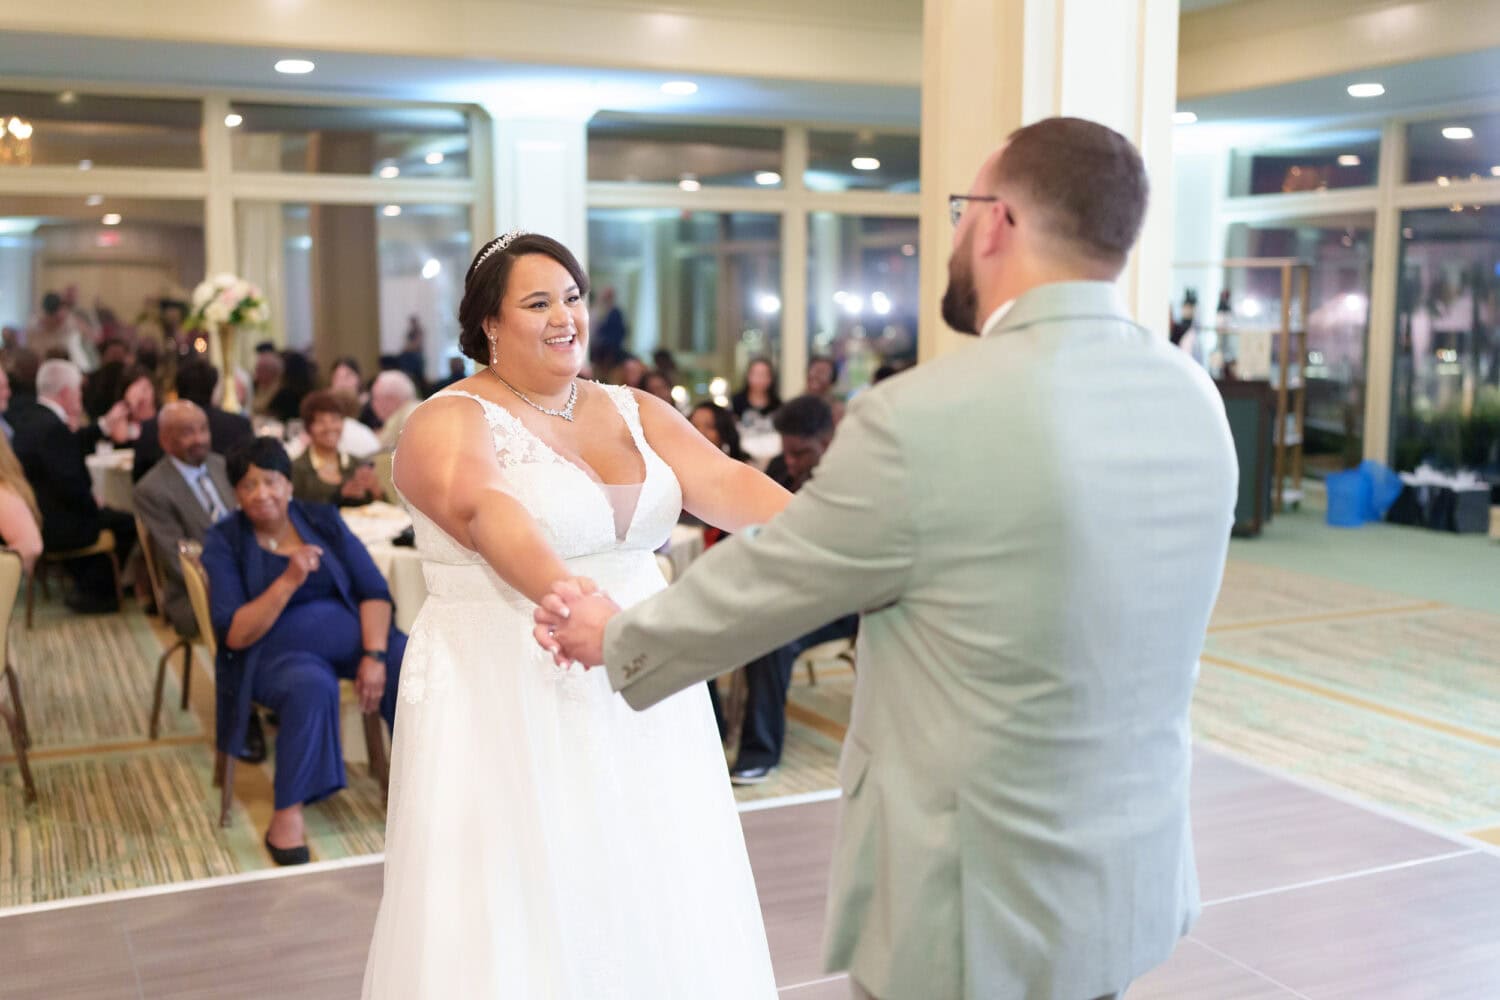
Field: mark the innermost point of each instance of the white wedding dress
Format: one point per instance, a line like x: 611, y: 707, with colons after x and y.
x: 543, y: 839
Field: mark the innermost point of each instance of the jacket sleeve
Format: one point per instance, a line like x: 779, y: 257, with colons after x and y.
x: 845, y: 543
x: 165, y: 528
x: 226, y: 585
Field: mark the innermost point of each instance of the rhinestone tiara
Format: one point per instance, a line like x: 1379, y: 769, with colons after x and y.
x: 499, y: 245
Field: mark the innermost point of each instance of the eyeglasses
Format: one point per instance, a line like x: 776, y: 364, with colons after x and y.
x: 956, y: 204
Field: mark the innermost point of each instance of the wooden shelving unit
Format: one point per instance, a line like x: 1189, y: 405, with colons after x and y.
x: 1288, y: 362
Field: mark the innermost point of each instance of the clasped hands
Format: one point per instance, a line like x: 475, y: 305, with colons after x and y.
x: 570, y: 622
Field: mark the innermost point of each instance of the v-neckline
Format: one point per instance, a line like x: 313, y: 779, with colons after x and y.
x: 587, y: 471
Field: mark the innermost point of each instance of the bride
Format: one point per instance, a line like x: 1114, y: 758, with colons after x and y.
x: 544, y: 840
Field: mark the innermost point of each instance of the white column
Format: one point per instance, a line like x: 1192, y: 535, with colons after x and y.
x: 792, y: 365
x: 540, y: 176
x: 1380, y: 343
x: 991, y: 66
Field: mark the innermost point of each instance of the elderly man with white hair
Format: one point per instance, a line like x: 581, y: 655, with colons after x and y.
x: 392, y: 397
x: 51, y: 455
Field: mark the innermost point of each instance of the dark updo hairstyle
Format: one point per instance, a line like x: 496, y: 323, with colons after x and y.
x: 484, y: 285
x: 262, y: 453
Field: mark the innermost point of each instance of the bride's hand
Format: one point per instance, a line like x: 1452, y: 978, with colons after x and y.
x: 562, y: 634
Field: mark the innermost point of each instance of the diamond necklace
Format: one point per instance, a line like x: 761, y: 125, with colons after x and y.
x: 566, y: 412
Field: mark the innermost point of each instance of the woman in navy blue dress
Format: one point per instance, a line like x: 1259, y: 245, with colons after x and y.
x: 297, y: 603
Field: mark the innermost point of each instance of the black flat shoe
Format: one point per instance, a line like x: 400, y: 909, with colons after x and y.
x: 749, y: 775
x: 288, y: 855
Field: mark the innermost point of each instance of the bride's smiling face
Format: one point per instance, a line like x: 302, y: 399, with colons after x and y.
x: 543, y: 325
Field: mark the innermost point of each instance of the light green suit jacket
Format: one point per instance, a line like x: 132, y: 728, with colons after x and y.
x: 1035, y: 530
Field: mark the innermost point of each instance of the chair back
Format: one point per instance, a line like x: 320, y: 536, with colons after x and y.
x: 10, y: 587
x: 153, y: 568
x: 196, y: 582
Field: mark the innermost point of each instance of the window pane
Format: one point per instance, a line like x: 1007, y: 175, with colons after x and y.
x: 1461, y: 148
x: 113, y: 276
x: 386, y: 142
x: 635, y: 151
x: 318, y: 263
x: 1339, y: 251
x: 68, y: 129
x: 704, y: 285
x: 862, y: 294
x: 862, y: 161
x: 1446, y: 394
x: 1317, y: 164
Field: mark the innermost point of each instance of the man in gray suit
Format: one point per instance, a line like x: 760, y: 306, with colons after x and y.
x: 1035, y: 530
x: 182, y: 495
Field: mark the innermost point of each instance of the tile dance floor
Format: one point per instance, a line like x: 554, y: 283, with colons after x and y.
x: 1307, y: 895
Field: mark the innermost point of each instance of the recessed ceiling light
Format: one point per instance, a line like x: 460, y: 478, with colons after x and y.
x: 1458, y: 132
x: 233, y: 120
x: 391, y: 211
x: 85, y: 164
x: 433, y: 159
x: 767, y: 178
x: 294, y: 66
x: 1184, y: 118
x: 1349, y: 160
x: 67, y: 97
x: 679, y: 88
x: 112, y: 219
x: 1495, y: 170
x: 865, y: 163
x: 432, y: 268
x: 1366, y: 89
x: 689, y: 184
x: 390, y: 171
x: 94, y: 200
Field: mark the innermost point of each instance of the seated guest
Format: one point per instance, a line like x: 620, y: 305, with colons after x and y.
x: 393, y: 395
x: 297, y: 604
x: 195, y: 382
x: 822, y: 377
x: 355, y: 439
x: 323, y: 473
x: 658, y: 385
x: 181, y: 498
x: 716, y: 424
x: 296, y: 382
x: 137, y: 406
x: 20, y: 520
x: 52, y: 457
x: 757, y: 400
x: 806, y: 428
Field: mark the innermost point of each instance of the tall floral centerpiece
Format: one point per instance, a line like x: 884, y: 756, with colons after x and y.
x: 223, y: 306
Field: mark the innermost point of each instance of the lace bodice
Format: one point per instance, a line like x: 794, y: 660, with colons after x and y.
x: 573, y: 510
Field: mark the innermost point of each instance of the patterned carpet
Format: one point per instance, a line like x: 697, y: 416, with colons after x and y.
x: 1364, y: 678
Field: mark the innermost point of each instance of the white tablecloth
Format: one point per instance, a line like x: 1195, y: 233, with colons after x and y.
x: 110, y: 473
x: 376, y: 524
x: 761, y: 446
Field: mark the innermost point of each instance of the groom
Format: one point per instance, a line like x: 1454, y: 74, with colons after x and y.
x: 1034, y: 529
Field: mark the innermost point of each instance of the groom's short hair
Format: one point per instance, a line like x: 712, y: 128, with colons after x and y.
x: 1086, y: 180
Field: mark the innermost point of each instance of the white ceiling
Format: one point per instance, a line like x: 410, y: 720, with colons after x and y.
x: 74, y: 62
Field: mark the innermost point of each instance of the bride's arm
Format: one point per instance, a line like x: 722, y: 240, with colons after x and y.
x: 446, y: 468
x: 715, y: 488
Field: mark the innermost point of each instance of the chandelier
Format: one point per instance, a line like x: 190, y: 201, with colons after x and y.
x: 15, y: 142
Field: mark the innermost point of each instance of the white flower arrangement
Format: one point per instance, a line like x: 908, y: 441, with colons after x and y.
x: 226, y: 300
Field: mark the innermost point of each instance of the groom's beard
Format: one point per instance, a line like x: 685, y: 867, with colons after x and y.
x: 961, y: 300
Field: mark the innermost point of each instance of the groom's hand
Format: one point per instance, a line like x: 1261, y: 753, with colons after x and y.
x: 570, y: 622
